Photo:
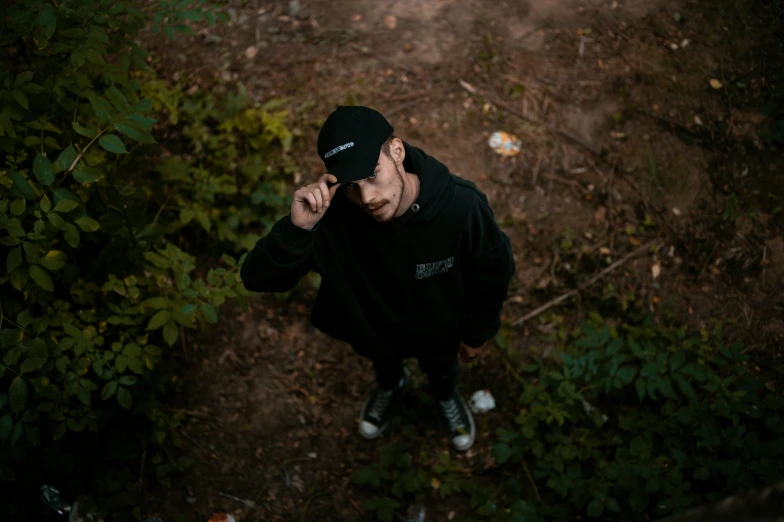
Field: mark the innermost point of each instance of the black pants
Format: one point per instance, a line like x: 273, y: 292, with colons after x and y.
x: 441, y: 371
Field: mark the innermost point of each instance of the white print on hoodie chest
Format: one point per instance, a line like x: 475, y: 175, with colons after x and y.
x: 426, y: 270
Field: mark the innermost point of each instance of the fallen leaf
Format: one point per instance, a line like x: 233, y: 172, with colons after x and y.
x: 716, y: 84
x: 356, y: 18
x: 674, y: 46
x: 685, y: 42
x: 697, y: 120
x: 435, y: 483
x: 390, y: 21
x: 656, y: 269
x: 604, y: 251
x: 516, y: 299
x: 676, y: 211
x: 617, y: 135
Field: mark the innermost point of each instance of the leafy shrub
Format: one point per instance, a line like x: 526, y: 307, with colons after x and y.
x: 627, y: 420
x: 98, y: 277
x: 638, y: 418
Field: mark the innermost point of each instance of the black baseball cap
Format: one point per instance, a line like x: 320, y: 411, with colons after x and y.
x: 350, y: 142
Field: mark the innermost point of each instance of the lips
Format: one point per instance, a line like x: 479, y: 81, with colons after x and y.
x: 376, y: 209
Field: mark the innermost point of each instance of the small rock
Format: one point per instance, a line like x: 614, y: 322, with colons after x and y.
x: 294, y: 7
x: 390, y: 21
x: 697, y: 120
x: 251, y: 52
x: 312, y: 455
x: 356, y: 18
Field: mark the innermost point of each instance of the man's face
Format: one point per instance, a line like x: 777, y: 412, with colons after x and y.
x: 381, y: 193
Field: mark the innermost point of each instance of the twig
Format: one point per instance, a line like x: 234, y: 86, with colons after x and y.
x: 764, y: 259
x: 584, y: 285
x: 531, y: 479
x: 248, y: 503
x: 197, y: 414
x: 403, y: 106
x: 353, y: 503
x: 157, y: 215
x: 307, y: 505
x: 707, y: 260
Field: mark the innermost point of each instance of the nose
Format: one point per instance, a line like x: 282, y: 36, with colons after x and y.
x: 366, y: 194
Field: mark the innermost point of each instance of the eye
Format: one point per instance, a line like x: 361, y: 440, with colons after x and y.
x: 347, y: 187
x: 373, y: 176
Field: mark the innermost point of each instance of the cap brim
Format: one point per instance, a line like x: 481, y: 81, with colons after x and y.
x: 362, y: 166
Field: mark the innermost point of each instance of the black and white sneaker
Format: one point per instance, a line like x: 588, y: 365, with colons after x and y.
x: 459, y: 422
x: 375, y: 414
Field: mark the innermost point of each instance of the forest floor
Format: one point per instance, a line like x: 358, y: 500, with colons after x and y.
x: 639, y: 119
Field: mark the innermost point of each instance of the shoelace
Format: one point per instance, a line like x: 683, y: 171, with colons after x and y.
x: 380, y: 404
x: 452, y: 415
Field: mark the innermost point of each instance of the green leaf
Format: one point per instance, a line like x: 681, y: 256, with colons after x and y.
x: 128, y: 380
x: 41, y: 278
x: 16, y: 433
x: 124, y: 398
x: 18, y: 207
x: 65, y: 159
x: 94, y: 56
x: 14, y: 259
x: 6, y: 422
x: 170, y: 333
x: 20, y: 98
x: 595, y: 508
x: 156, y: 302
x: 208, y: 311
x: 640, y: 385
x: 42, y: 168
x: 685, y: 386
x: 84, y: 131
x: 158, y: 320
x: 135, y: 134
x: 53, y: 260
x: 85, y: 174
x: 19, y: 278
x: 88, y: 224
x: 17, y: 394
x: 112, y: 143
x: 31, y: 364
x: 100, y: 106
x: 47, y: 20
x: 75, y: 426
x: 612, y: 505
x: 71, y: 235
x: 46, y: 203
x: 23, y: 78
x: 108, y: 390
x: 665, y: 387
x: 65, y: 205
x: 501, y: 452
x: 118, y: 99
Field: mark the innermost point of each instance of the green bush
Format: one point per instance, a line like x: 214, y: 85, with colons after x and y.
x: 627, y: 420
x: 99, y: 280
x: 639, y: 418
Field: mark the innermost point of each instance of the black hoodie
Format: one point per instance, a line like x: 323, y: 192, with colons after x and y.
x: 421, y: 283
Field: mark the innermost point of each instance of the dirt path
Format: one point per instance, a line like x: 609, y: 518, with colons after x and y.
x: 272, y: 404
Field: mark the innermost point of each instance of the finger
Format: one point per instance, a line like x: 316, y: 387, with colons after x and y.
x: 319, y: 200
x: 312, y: 201
x: 325, y: 195
x: 328, y: 179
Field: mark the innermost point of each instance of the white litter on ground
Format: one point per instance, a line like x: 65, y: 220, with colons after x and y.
x: 482, y: 401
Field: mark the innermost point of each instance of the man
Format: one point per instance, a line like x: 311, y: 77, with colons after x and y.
x: 412, y: 263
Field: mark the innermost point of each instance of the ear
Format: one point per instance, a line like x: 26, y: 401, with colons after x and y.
x: 397, y: 150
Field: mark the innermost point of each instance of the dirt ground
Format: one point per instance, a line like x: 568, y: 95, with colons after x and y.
x: 619, y: 121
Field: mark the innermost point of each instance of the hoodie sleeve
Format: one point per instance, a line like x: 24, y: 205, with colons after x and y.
x: 280, y: 259
x: 488, y: 267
